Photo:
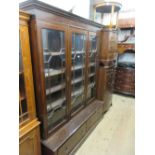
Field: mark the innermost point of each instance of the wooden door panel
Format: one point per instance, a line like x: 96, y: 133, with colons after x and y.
x: 28, y: 145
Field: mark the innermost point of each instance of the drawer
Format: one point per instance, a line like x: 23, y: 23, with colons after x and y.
x: 125, y: 85
x: 126, y: 89
x: 124, y: 82
x: 91, y: 121
x: 123, y: 76
x: 129, y: 86
x: 125, y: 70
x: 130, y: 90
x: 67, y: 147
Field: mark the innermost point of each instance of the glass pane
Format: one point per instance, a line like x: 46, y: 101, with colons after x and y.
x: 23, y: 109
x: 21, y: 86
x: 78, y: 65
x: 54, y: 63
x: 92, y: 67
x: 24, y: 106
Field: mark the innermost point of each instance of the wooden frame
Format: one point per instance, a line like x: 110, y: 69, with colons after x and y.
x: 29, y: 134
x: 43, y: 108
x: 82, y: 32
x: 40, y: 73
x: 69, y: 25
x: 61, y: 136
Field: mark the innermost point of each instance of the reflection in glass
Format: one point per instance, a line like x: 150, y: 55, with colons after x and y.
x: 23, y: 109
x: 54, y: 67
x: 92, y: 67
x: 78, y: 65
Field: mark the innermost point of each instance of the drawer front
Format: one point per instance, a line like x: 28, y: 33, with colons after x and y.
x: 124, y: 88
x: 66, y: 148
x: 91, y: 121
x: 124, y: 82
x: 125, y: 85
x: 125, y: 71
x: 125, y: 76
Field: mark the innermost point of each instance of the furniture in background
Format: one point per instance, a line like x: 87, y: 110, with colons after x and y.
x: 125, y: 73
x: 125, y: 70
x: 126, y: 23
x: 29, y: 134
x: 65, y: 49
x: 126, y: 35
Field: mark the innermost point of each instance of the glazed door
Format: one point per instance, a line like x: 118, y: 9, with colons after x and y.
x: 23, y: 105
x: 26, y: 90
x: 54, y: 44
x: 92, y: 55
x: 78, y: 66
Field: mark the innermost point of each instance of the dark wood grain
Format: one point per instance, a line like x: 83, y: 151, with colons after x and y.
x: 54, y: 142
x: 108, y: 44
x: 125, y: 81
x: 33, y: 4
x: 66, y: 136
x: 105, y: 83
x: 46, y: 16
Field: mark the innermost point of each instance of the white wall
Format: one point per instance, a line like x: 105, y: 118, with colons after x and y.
x: 126, y: 4
x: 127, y: 10
x: 81, y: 7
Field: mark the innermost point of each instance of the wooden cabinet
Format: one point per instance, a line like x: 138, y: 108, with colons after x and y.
x: 29, y: 141
x: 105, y: 88
x: 125, y: 81
x: 64, y: 54
x: 107, y: 59
x: 125, y: 71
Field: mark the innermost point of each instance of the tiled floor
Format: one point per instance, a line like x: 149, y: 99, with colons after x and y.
x: 114, y: 135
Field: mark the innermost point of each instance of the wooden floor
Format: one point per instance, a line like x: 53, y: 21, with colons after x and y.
x: 115, y: 134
